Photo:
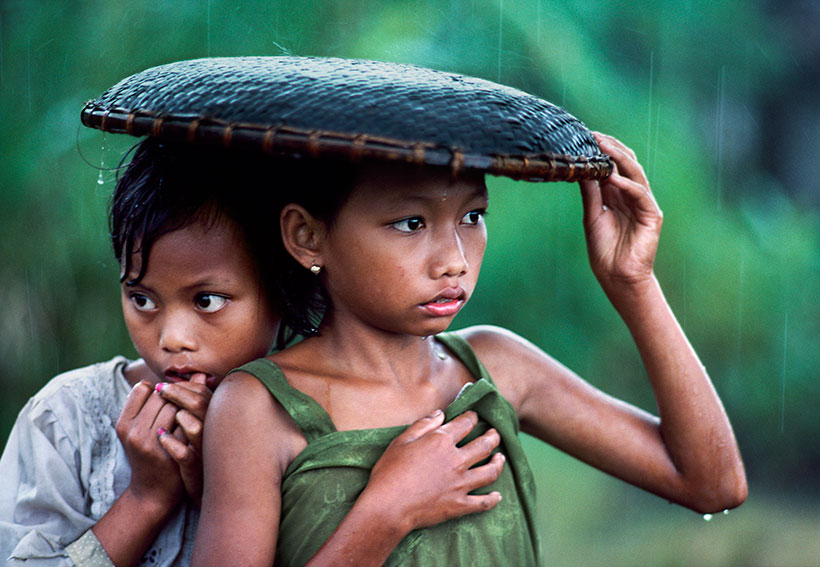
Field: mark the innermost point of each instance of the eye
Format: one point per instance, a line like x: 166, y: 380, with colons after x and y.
x: 210, y: 302
x: 410, y: 224
x: 474, y: 217
x: 142, y: 302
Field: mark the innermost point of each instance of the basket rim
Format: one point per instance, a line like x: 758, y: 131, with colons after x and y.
x: 282, y: 139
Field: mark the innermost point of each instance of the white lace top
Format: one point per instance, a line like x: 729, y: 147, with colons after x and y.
x: 62, y: 469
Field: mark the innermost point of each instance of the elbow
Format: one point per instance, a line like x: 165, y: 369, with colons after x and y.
x: 730, y: 492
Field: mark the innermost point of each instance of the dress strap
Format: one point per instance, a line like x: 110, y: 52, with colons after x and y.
x: 465, y: 353
x: 311, y: 418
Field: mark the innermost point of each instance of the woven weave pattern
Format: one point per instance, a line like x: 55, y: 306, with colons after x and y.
x: 366, y: 108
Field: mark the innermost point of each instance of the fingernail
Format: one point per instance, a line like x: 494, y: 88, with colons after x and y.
x: 160, y: 386
x: 161, y: 431
x: 436, y: 413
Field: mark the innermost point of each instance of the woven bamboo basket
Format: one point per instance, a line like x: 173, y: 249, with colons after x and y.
x: 354, y: 110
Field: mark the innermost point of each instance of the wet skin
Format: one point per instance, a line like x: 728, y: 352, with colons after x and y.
x: 406, y: 261
x: 199, y: 309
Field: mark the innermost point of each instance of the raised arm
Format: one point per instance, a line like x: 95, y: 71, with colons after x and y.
x: 688, y: 454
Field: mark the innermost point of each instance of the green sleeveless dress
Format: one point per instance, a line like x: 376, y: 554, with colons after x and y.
x: 323, y: 482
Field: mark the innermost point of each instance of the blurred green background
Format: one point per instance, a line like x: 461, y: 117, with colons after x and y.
x: 720, y: 102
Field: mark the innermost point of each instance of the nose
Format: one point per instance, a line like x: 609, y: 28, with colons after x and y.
x: 177, y: 333
x: 449, y: 259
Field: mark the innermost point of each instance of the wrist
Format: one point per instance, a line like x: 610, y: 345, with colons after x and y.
x: 367, y: 535
x: 127, y: 529
x: 148, y: 503
x: 630, y: 293
x: 391, y: 522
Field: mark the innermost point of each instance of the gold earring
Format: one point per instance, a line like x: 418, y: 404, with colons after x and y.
x: 315, y: 268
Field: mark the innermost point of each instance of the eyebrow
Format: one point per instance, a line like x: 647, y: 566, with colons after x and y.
x: 205, y: 282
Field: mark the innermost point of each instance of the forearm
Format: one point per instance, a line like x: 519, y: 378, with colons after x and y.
x: 694, y: 427
x: 366, y: 536
x: 129, y: 527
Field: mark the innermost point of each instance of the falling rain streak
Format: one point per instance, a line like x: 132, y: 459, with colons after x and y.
x: 500, y: 31
x: 719, y: 132
x: 649, y: 111
x: 783, y: 374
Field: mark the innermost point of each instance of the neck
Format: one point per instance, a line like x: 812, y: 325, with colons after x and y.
x: 355, y: 349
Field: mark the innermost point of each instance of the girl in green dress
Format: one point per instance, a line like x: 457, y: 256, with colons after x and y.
x: 291, y: 440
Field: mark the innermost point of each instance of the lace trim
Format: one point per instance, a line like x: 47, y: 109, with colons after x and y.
x: 101, y: 408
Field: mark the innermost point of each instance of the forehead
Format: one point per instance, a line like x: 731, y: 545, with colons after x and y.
x: 201, y: 246
x: 413, y: 183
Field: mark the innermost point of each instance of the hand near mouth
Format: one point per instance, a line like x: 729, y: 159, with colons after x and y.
x: 184, y: 445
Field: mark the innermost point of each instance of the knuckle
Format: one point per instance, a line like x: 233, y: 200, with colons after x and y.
x: 198, y: 405
x: 194, y: 428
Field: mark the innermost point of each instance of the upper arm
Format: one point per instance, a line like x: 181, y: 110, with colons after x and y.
x: 248, y: 442
x: 557, y: 406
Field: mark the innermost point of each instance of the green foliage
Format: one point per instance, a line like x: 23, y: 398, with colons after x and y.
x: 687, y: 85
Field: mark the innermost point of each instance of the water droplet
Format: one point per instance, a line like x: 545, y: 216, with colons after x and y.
x: 726, y: 512
x: 707, y: 517
x: 100, y: 179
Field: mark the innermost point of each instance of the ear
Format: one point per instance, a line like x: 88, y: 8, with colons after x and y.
x: 302, y: 235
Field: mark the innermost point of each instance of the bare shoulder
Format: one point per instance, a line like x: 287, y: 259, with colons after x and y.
x: 243, y: 403
x: 498, y: 348
x: 515, y: 364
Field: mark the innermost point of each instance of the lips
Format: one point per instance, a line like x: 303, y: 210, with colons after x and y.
x: 182, y: 374
x: 447, y: 303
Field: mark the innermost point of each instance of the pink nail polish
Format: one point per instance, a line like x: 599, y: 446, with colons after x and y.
x: 161, y: 431
x: 160, y: 386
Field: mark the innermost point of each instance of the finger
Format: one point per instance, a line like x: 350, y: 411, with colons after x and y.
x: 486, y: 474
x: 180, y: 452
x: 481, y: 447
x: 482, y: 502
x: 191, y: 427
x: 421, y: 427
x: 148, y: 418
x: 136, y: 399
x: 193, y: 396
x: 591, y: 199
x: 460, y: 426
x: 606, y: 139
x: 625, y: 160
x: 629, y: 190
x: 165, y: 417
x: 179, y: 433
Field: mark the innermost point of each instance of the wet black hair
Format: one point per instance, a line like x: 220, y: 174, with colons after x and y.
x: 168, y: 186
x: 321, y: 188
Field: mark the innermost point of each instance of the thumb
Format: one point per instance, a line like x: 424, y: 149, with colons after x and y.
x: 421, y: 427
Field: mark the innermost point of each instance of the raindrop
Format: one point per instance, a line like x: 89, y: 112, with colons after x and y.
x: 707, y: 517
x: 726, y: 512
x: 100, y: 180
